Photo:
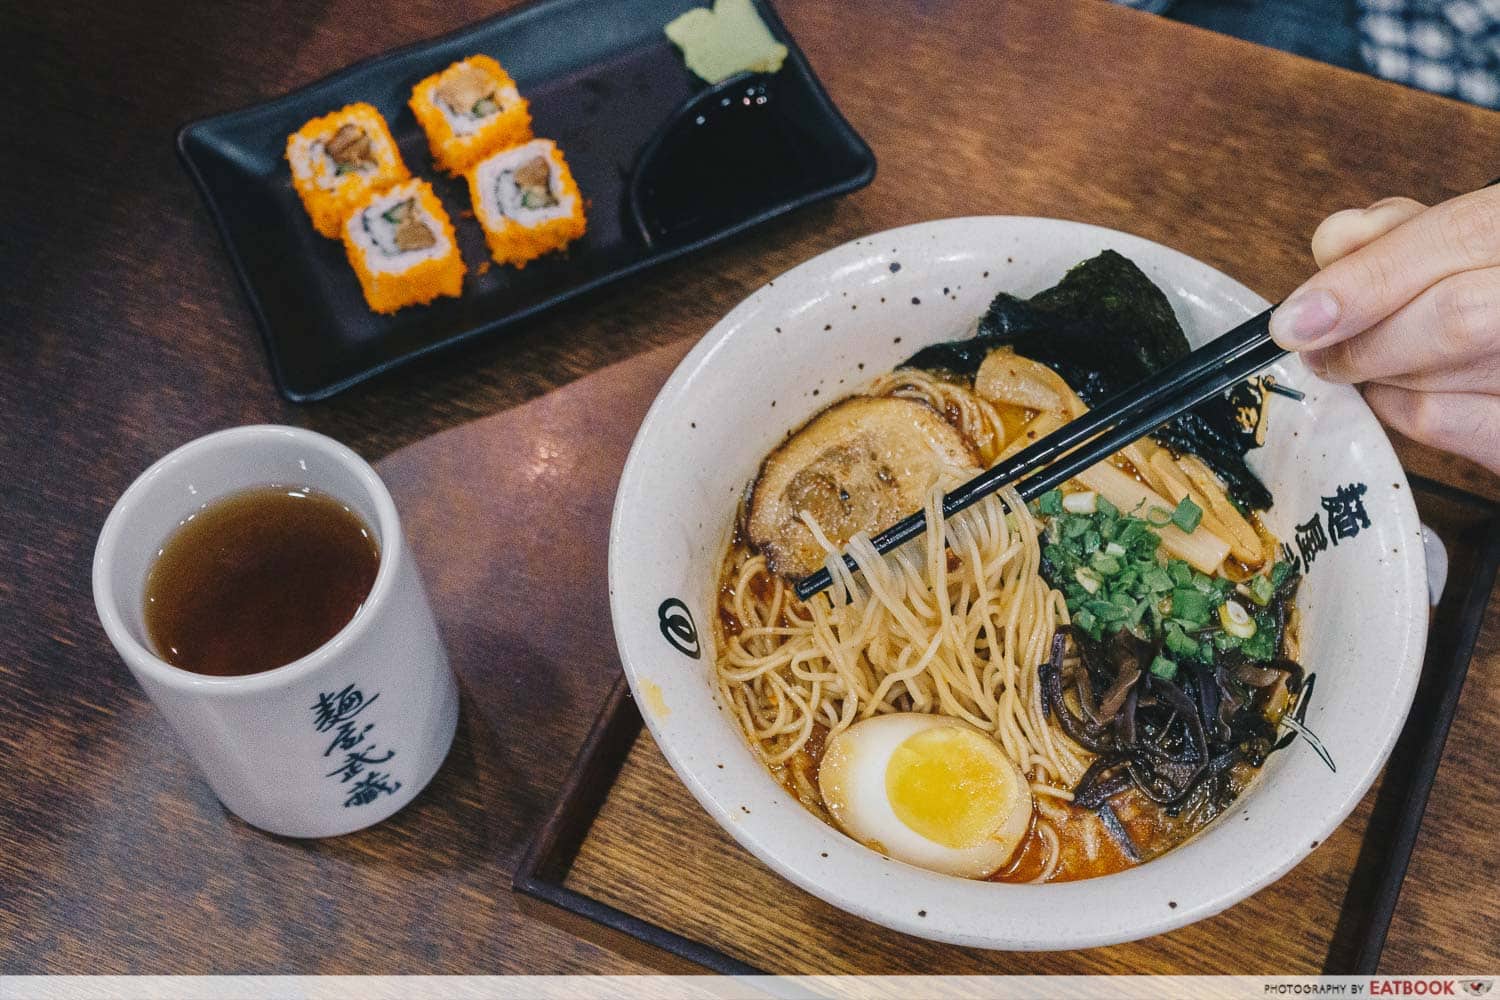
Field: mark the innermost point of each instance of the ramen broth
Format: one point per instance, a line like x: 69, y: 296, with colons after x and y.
x: 1086, y: 848
x: 1076, y: 843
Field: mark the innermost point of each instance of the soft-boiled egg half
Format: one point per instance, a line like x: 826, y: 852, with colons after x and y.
x: 928, y: 790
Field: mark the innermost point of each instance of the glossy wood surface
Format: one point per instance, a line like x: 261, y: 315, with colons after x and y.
x: 123, y: 335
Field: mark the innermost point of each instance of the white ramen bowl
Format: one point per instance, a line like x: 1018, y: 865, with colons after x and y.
x: 824, y: 330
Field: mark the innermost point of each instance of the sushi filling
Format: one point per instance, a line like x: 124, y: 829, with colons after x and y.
x: 350, y: 150
x: 397, y: 233
x: 533, y: 180
x: 528, y: 192
x: 398, y: 229
x: 468, y: 96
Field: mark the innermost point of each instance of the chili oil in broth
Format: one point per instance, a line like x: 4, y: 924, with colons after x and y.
x: 1086, y: 848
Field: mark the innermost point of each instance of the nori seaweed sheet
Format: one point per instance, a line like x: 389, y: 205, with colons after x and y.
x: 1103, y: 328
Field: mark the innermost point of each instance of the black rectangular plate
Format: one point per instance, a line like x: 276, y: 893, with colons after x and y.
x: 1470, y: 528
x: 601, y: 78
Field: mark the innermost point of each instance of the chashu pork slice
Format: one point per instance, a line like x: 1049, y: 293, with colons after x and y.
x: 860, y: 465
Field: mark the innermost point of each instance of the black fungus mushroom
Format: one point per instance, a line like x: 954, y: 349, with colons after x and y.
x: 1175, y: 741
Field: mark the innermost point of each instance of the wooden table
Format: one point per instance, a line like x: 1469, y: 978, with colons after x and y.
x: 122, y: 335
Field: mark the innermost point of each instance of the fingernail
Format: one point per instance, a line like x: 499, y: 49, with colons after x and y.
x: 1306, y: 316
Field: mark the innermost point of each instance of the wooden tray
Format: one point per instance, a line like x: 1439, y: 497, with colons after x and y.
x: 625, y: 845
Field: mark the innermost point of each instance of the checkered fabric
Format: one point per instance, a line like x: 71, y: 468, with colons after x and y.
x: 1446, y: 46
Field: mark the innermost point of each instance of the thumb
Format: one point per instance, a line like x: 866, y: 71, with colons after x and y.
x: 1344, y: 232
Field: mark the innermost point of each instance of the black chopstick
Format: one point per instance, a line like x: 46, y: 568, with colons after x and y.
x: 1125, y: 418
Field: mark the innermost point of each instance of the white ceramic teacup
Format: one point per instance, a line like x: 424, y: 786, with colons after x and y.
x: 329, y: 743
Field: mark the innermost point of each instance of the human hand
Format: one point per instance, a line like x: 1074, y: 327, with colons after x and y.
x: 1407, y: 305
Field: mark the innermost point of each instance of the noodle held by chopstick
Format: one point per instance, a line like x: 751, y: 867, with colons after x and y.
x: 959, y: 631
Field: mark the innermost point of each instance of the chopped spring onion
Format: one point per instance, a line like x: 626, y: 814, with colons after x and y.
x: 1106, y: 611
x: 1164, y: 668
x: 1115, y: 576
x: 1261, y: 647
x: 1135, y: 534
x: 1187, y: 516
x: 1190, y: 606
x: 1106, y: 564
x: 1224, y: 642
x: 1156, y: 580
x: 1261, y: 590
x: 1179, y: 643
x: 1236, y: 620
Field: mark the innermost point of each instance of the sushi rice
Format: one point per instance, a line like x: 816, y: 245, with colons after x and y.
x: 402, y: 246
x: 524, y: 212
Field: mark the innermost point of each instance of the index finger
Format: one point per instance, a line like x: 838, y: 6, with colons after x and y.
x: 1357, y: 291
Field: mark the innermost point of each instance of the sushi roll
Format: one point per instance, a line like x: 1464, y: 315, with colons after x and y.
x: 401, y: 244
x: 527, y: 202
x: 339, y: 160
x: 470, y: 110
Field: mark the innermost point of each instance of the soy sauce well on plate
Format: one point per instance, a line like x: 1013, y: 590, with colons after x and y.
x: 732, y: 152
x: 257, y: 579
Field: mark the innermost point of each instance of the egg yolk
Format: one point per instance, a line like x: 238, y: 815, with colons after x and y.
x: 947, y: 785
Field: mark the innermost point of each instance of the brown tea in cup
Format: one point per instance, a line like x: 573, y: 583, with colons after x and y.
x: 257, y: 579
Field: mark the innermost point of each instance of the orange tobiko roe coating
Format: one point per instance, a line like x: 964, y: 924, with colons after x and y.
x: 329, y: 207
x: 511, y: 242
x: 387, y: 291
x: 456, y: 153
